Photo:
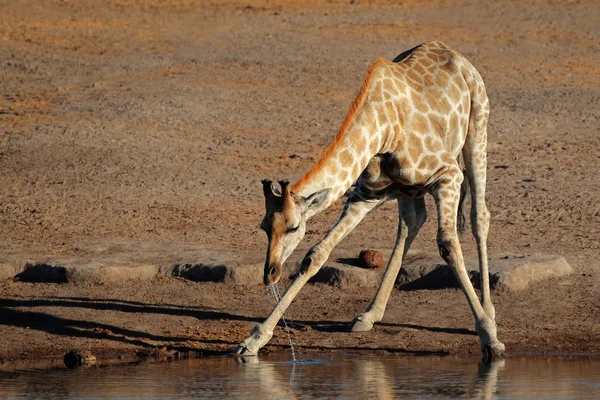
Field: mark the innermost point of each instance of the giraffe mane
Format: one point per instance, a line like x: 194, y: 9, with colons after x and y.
x: 345, y: 124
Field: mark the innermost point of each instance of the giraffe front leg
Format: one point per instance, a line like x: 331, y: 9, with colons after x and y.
x: 354, y: 211
x: 262, y: 333
x: 257, y: 339
x: 446, y: 194
x: 412, y: 215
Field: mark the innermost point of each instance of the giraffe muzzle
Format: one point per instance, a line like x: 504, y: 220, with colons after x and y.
x: 272, y: 274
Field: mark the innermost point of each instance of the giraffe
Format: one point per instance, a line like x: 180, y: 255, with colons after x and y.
x: 402, y: 138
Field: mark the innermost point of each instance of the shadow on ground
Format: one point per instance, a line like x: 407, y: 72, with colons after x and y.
x: 12, y: 314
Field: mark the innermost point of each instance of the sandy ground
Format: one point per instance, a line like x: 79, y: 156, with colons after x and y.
x: 154, y: 121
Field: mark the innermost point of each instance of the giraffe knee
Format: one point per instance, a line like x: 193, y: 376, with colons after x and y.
x: 312, y: 262
x: 445, y: 248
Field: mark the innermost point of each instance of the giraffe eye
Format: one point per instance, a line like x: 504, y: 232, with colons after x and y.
x: 291, y: 230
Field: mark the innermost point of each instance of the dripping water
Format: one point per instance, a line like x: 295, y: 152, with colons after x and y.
x: 275, y: 292
x: 297, y: 346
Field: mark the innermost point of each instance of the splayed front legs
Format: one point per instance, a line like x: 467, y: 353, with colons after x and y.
x: 354, y: 211
x: 412, y: 215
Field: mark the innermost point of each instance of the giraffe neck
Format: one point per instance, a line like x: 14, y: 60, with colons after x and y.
x: 360, y: 138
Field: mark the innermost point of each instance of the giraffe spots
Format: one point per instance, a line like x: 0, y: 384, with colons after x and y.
x: 419, y: 69
x: 454, y: 123
x: 414, y: 147
x: 444, y: 105
x: 401, y: 121
x: 486, y: 107
x: 447, y: 159
x: 417, y: 101
x: 454, y: 92
x: 436, y: 56
x: 433, y: 144
x: 427, y: 62
x: 387, y: 96
x: 466, y: 103
x: 391, y: 112
x: 374, y: 146
x: 346, y: 158
x: 421, y: 176
x: 442, y: 78
x: 361, y: 143
x: 329, y: 181
x: 429, y: 163
x: 428, y: 80
x: 331, y: 168
x: 379, y: 120
x: 342, y: 175
x: 438, y: 101
x: 419, y: 124
x: 432, y: 95
x: 481, y: 91
x: 356, y: 170
x: 399, y: 82
x: 438, y: 123
x: 377, y: 94
x: 415, y: 81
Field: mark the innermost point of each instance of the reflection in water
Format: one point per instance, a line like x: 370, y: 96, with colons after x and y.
x: 329, y: 376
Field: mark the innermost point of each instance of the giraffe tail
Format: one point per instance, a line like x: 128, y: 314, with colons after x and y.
x: 461, y: 221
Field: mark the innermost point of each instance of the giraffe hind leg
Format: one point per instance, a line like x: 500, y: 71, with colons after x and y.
x: 446, y: 194
x: 475, y: 158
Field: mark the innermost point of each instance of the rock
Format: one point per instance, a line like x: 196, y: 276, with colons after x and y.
x: 200, y: 272
x: 510, y: 273
x: 347, y: 277
x: 75, y: 358
x: 251, y: 274
x: 47, y: 272
x: 518, y: 273
x: 72, y: 270
x: 245, y: 275
x: 103, y: 272
x: 371, y: 259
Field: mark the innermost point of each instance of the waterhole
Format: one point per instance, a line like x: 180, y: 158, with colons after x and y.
x: 317, y: 376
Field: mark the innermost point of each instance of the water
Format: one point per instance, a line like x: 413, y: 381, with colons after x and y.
x: 320, y: 376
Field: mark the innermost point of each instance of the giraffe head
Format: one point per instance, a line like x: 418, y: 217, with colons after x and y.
x: 285, y: 224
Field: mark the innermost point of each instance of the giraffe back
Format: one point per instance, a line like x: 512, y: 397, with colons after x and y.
x: 425, y: 98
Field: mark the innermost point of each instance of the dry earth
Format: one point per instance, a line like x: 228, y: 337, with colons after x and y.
x: 153, y: 121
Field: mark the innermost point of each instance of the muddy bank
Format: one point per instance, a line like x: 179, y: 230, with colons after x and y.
x: 121, y: 318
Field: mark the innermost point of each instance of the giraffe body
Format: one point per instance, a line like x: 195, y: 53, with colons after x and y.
x: 402, y: 139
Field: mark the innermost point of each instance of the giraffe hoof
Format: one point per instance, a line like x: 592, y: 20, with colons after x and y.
x: 492, y: 353
x: 243, y: 351
x: 359, y: 325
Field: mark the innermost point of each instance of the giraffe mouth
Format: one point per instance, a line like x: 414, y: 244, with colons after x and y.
x: 272, y: 274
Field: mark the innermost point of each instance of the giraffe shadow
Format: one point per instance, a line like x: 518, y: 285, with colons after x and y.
x: 13, y: 314
x: 338, y: 326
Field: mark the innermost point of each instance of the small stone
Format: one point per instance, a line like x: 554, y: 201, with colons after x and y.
x: 370, y: 258
x: 74, y: 359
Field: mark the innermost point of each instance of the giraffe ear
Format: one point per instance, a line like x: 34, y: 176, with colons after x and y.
x: 317, y: 199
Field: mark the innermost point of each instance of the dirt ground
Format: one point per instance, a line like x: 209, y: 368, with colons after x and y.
x: 154, y: 121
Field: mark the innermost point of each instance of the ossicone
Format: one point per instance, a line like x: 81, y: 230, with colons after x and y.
x: 269, y: 190
x: 285, y: 187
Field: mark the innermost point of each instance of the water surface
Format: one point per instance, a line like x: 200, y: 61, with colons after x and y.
x: 317, y: 376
